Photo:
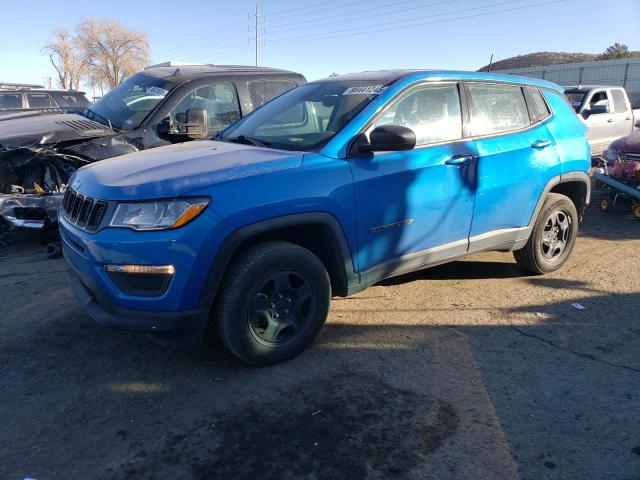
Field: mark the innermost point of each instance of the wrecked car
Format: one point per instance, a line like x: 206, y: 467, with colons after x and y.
x: 162, y: 105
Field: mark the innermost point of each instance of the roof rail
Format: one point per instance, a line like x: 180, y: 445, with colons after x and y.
x: 9, y: 85
x: 173, y: 63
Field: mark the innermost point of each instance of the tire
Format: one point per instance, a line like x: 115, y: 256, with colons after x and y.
x: 274, y: 301
x: 553, y: 236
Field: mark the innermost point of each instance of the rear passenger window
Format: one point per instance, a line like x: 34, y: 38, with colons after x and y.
x: 431, y: 111
x: 263, y: 91
x: 497, y: 108
x: 619, y: 103
x: 40, y: 100
x: 10, y: 100
x: 538, y: 109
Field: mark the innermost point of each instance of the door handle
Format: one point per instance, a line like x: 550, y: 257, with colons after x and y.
x: 610, y: 120
x: 540, y: 144
x: 459, y: 160
x: 627, y: 118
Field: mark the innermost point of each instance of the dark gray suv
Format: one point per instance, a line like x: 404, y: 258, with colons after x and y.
x: 162, y: 105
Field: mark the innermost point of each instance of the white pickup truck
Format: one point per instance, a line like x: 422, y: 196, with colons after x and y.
x: 605, y: 110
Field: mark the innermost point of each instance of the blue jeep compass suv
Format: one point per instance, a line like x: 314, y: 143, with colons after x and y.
x: 323, y: 191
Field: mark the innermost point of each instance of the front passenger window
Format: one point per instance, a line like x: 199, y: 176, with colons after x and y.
x: 431, y: 111
x: 220, y: 102
x: 600, y: 101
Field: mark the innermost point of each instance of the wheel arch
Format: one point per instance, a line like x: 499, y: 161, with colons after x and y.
x: 575, y: 185
x: 319, y: 232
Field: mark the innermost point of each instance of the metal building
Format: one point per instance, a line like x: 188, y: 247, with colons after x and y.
x: 620, y: 72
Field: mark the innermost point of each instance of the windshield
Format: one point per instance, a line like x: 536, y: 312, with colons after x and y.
x: 304, y: 118
x: 127, y: 105
x: 575, y: 97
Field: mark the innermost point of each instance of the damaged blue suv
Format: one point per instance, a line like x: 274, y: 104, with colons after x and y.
x: 325, y: 190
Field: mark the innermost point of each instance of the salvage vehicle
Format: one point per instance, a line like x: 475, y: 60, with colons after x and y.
x: 605, y: 110
x: 27, y: 98
x: 619, y: 175
x: 164, y: 104
x: 324, y: 191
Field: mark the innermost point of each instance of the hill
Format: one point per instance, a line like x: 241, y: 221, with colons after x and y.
x: 540, y: 59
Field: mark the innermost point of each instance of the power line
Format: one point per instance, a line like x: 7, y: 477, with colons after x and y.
x: 361, y: 17
x: 280, y: 12
x: 209, y: 38
x: 314, y: 11
x: 340, y: 34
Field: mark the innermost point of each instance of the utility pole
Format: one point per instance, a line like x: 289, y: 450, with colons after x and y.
x: 256, y: 27
x: 490, y: 63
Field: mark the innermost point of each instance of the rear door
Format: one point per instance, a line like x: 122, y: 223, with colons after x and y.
x: 622, y: 115
x: 516, y: 158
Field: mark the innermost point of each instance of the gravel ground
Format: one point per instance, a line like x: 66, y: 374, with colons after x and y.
x: 472, y: 370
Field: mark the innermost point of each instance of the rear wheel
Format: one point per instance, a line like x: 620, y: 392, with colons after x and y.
x: 273, y: 303
x: 553, y: 236
x: 636, y: 211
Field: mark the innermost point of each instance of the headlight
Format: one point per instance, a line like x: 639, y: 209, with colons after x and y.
x: 159, y: 214
x: 610, y: 154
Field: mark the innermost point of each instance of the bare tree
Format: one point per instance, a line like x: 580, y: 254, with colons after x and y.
x: 66, y: 59
x: 112, y: 51
x: 617, y: 50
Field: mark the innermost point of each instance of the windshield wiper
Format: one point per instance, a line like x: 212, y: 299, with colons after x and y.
x: 249, y: 141
x: 88, y: 110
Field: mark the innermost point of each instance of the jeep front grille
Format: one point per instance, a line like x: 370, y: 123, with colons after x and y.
x: 84, y: 212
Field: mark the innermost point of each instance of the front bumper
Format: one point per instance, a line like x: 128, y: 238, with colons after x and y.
x: 107, y: 314
x: 183, y: 308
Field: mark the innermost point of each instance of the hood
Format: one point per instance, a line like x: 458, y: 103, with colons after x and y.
x: 48, y: 128
x: 630, y: 143
x: 177, y: 169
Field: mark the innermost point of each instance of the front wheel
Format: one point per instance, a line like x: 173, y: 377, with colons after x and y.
x: 552, y: 238
x: 274, y: 301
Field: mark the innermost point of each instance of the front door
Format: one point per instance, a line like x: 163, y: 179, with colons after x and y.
x: 596, y: 113
x: 415, y: 207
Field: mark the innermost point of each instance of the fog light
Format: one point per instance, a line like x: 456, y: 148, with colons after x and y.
x: 141, y: 280
x: 157, y: 269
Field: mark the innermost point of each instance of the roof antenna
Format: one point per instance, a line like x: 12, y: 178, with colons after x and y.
x: 176, y: 72
x: 490, y: 63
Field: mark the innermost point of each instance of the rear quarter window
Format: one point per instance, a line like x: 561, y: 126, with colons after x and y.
x: 538, y: 109
x: 497, y: 108
x: 264, y: 90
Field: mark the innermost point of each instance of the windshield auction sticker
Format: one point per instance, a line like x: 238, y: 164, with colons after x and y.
x: 160, y: 92
x: 365, y: 90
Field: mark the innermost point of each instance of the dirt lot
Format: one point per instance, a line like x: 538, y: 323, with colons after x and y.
x: 465, y: 371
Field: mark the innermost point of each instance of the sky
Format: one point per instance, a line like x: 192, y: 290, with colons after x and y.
x: 317, y: 38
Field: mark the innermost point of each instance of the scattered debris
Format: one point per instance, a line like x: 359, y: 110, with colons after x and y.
x: 578, y: 306
x: 316, y: 412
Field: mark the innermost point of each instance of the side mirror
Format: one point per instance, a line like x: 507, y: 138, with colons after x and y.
x: 389, y: 138
x: 596, y: 110
x: 197, y: 121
